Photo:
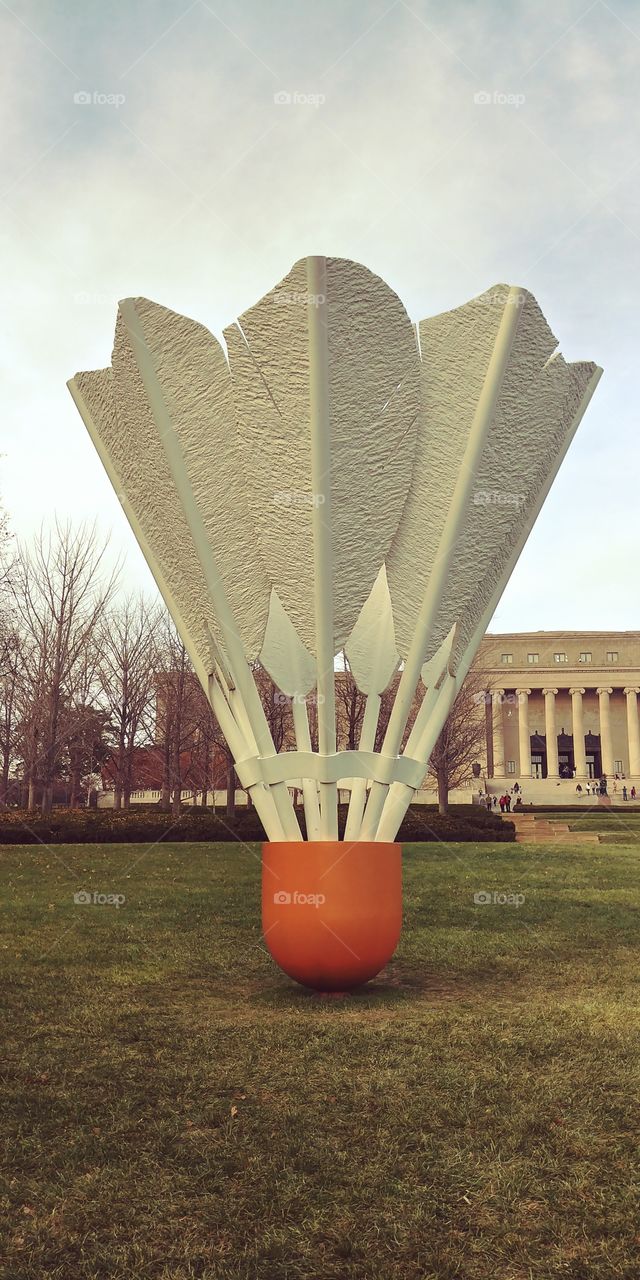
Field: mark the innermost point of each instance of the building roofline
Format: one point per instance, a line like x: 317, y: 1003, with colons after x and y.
x: 565, y: 635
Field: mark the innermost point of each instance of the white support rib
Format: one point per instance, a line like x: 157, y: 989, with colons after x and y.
x: 242, y: 675
x: 261, y: 795
x: 309, y: 785
x: 241, y: 747
x: 359, y: 785
x: 400, y: 795
x: 321, y: 525
x: 421, y: 750
x: 478, y: 433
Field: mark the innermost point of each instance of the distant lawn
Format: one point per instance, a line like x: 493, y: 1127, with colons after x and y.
x: 176, y: 1108
x: 614, y: 826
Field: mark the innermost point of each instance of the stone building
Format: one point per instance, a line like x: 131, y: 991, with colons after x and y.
x: 562, y: 704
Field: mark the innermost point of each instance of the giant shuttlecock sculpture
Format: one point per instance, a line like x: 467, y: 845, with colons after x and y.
x: 326, y: 485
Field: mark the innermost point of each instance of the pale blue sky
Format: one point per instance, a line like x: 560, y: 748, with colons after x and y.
x: 199, y: 190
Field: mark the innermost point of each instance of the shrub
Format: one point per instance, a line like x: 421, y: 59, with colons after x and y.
x: 422, y: 823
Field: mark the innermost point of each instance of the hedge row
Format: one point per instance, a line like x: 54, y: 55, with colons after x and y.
x: 422, y: 823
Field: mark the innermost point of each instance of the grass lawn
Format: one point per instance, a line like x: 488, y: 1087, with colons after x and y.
x: 175, y: 1107
x: 614, y: 826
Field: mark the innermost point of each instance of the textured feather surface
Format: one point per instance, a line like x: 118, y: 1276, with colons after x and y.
x: 538, y: 419
x: 193, y: 375
x: 535, y: 410
x: 143, y: 483
x: 283, y: 654
x: 373, y: 392
x: 371, y: 647
x: 455, y: 350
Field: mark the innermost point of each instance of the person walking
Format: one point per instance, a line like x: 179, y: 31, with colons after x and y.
x: 624, y: 792
x: 508, y: 802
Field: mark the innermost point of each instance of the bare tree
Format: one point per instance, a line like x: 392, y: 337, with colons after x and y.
x: 204, y: 756
x: 178, y: 712
x: 10, y: 677
x: 461, y: 740
x: 60, y: 593
x: 128, y: 660
x: 350, y: 707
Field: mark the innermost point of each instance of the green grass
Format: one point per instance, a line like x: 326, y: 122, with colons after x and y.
x: 614, y: 826
x: 175, y: 1107
x: 617, y: 828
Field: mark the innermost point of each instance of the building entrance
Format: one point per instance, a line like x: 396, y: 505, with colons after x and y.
x: 565, y: 755
x: 536, y: 766
x: 594, y: 757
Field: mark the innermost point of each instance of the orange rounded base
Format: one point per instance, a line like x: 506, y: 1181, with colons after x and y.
x: 331, y: 910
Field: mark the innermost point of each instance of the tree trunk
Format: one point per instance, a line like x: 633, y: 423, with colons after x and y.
x: 75, y: 787
x: 165, y: 797
x: 117, y: 796
x: 5, y: 778
x: 31, y: 796
x: 47, y: 798
x: 443, y: 790
x: 231, y: 791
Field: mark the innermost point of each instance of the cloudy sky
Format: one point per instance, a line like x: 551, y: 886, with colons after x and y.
x: 191, y: 152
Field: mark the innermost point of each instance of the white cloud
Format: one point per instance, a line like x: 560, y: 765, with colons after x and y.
x: 200, y: 191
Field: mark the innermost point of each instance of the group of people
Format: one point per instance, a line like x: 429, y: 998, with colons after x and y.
x: 505, y: 802
x: 598, y: 787
x: 492, y: 802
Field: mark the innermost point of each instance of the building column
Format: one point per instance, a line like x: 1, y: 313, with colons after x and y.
x: 606, y: 740
x: 550, y: 731
x: 633, y: 730
x: 579, y: 751
x: 498, y: 733
x: 524, y: 736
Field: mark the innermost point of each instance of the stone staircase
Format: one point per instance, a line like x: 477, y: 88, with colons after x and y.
x: 532, y: 830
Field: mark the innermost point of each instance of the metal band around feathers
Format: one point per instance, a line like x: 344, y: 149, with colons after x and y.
x: 344, y: 764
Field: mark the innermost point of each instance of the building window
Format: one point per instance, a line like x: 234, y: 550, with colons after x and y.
x: 507, y: 659
x: 617, y: 766
x: 511, y: 766
x: 560, y: 657
x: 532, y: 658
x: 612, y: 655
x: 585, y: 657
